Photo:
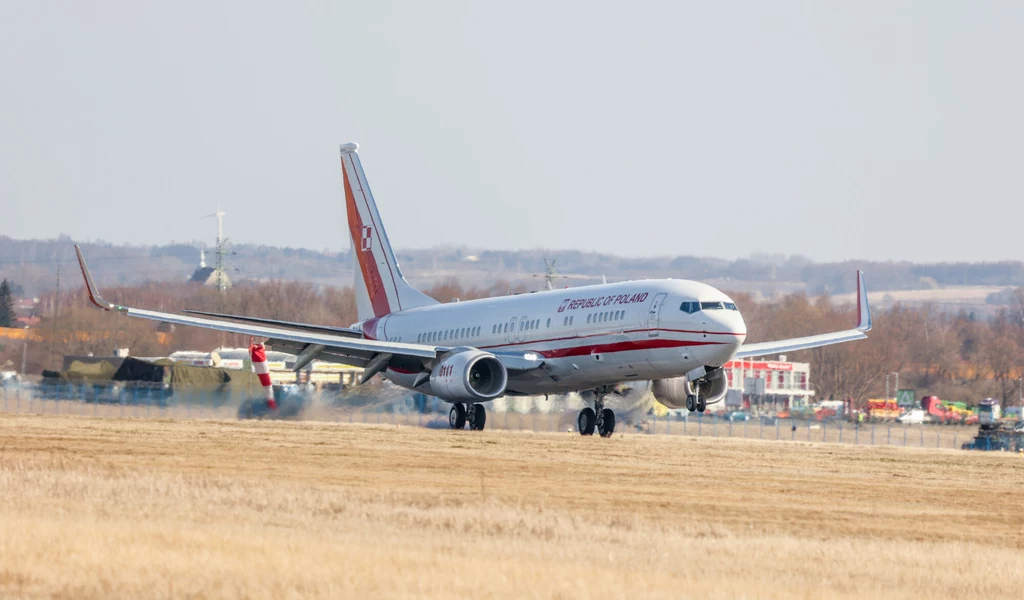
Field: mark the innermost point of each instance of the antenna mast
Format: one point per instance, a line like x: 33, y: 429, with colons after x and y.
x: 221, y: 250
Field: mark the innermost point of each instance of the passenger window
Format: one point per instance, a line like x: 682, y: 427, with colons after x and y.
x: 588, y: 318
x: 549, y: 324
x: 565, y: 321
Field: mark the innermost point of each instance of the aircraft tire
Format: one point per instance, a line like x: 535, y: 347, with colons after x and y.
x: 457, y: 416
x: 701, y: 404
x: 606, y: 426
x: 691, y: 403
x: 479, y: 418
x: 586, y: 421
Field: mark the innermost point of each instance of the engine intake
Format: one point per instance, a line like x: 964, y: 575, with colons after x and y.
x: 673, y: 392
x: 468, y: 376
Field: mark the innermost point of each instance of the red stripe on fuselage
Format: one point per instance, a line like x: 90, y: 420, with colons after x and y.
x: 368, y: 266
x: 606, y: 333
x: 650, y: 344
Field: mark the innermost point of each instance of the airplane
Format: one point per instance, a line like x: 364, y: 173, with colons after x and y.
x: 676, y: 334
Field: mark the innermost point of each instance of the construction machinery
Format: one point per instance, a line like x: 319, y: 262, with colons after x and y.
x: 993, y: 433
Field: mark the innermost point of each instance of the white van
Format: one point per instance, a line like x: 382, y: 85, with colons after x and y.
x: 914, y: 416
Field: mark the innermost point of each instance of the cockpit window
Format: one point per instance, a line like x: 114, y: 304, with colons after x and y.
x: 689, y: 307
x: 730, y: 306
x: 712, y: 306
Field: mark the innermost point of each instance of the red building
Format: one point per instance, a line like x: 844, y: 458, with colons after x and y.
x: 777, y: 384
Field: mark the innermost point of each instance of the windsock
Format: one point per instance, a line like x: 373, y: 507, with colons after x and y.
x: 259, y: 366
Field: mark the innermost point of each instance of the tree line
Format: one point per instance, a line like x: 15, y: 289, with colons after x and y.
x: 33, y: 264
x: 954, y: 356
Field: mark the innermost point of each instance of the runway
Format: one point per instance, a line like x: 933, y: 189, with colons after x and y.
x: 102, y: 507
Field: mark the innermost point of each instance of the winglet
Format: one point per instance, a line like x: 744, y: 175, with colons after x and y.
x: 90, y: 285
x: 863, y: 310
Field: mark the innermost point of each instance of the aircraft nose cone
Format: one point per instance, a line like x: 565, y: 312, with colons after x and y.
x: 730, y: 323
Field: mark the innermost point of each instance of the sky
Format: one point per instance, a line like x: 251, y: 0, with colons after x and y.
x: 833, y: 130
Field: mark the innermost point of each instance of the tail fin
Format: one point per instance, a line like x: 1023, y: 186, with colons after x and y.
x: 380, y: 287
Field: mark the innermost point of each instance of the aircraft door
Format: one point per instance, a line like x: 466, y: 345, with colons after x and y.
x: 511, y: 335
x: 522, y: 329
x: 653, y: 315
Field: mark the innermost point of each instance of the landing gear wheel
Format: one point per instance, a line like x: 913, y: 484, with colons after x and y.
x: 701, y: 404
x: 606, y: 424
x: 691, y: 403
x: 477, y: 417
x: 457, y: 417
x: 586, y: 421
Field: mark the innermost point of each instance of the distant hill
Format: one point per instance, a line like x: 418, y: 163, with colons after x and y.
x: 33, y: 264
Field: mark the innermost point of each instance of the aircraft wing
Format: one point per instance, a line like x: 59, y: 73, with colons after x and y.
x: 342, y: 331
x: 337, y: 345
x: 332, y: 345
x: 814, y: 341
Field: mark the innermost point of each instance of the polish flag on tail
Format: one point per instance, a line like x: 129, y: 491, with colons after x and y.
x: 259, y: 366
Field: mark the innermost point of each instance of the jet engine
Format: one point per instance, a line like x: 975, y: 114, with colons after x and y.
x: 711, y: 386
x: 469, y: 375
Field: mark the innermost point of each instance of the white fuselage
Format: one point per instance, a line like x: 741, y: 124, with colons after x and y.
x: 588, y: 336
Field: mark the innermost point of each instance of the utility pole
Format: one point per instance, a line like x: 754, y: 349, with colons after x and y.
x: 56, y: 312
x: 221, y: 286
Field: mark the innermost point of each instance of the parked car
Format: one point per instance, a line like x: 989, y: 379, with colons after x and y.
x: 738, y: 415
x: 914, y: 416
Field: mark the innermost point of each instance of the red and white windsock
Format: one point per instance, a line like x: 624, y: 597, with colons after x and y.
x: 259, y: 366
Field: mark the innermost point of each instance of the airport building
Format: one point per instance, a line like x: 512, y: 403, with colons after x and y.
x: 771, y: 385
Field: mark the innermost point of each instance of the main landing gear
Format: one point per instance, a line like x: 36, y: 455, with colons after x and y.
x: 600, y: 418
x: 474, y: 414
x: 696, y: 403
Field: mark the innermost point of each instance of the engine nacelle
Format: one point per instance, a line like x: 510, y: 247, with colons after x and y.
x: 468, y: 376
x: 673, y: 392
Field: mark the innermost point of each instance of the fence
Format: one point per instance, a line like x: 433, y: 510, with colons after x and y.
x: 154, y: 401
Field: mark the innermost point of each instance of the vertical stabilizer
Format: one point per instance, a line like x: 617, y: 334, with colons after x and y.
x: 377, y: 273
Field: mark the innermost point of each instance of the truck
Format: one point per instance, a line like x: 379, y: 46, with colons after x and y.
x: 988, y: 413
x: 946, y: 412
x: 883, y: 409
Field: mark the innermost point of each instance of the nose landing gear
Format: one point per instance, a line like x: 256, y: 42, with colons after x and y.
x: 600, y: 418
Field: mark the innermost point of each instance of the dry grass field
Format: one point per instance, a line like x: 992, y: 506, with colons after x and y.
x: 137, y: 508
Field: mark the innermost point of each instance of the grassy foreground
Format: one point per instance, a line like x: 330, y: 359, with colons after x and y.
x: 159, y: 508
